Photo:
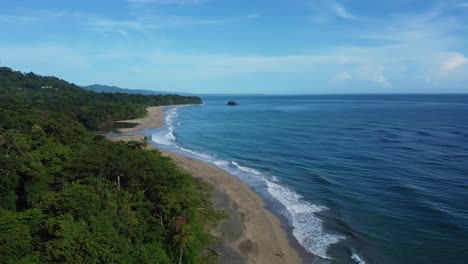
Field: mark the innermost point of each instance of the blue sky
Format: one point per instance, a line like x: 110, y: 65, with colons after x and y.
x: 263, y: 46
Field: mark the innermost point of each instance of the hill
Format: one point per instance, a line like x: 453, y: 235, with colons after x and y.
x: 99, y: 88
x: 93, y: 110
x: 68, y: 195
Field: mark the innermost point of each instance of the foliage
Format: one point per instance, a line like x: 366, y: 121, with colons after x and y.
x: 69, y: 196
x: 93, y: 110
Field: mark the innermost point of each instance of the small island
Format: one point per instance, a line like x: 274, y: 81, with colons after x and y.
x: 232, y: 103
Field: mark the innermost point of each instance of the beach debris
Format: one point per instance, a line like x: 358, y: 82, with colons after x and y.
x: 280, y: 254
x: 214, y: 252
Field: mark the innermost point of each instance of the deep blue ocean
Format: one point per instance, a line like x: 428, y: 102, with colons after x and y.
x: 358, y: 178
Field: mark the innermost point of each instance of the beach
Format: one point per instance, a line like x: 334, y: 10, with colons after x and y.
x: 251, y: 233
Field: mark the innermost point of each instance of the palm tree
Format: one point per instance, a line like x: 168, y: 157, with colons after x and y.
x: 182, y: 238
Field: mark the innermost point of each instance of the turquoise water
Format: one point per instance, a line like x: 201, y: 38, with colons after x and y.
x: 359, y: 179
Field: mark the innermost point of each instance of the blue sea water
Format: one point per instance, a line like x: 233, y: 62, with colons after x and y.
x: 358, y: 178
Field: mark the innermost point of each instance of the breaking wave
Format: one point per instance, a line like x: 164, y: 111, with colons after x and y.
x: 307, y: 228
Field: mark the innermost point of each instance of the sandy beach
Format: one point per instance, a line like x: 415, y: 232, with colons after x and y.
x: 251, y: 233
x: 154, y: 119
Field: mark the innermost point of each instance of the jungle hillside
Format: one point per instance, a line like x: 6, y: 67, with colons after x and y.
x: 68, y: 195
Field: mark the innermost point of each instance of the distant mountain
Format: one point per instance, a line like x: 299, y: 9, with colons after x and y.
x: 114, y: 89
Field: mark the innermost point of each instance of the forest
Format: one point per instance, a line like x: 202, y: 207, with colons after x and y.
x: 68, y: 195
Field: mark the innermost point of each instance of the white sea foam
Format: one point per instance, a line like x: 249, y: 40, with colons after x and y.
x: 246, y: 169
x: 358, y: 259
x: 200, y: 155
x: 165, y: 136
x: 307, y: 227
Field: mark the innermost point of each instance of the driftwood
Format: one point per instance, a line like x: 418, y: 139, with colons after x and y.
x: 214, y: 252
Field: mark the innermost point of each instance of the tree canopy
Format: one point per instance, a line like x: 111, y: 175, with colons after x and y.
x: 30, y: 92
x: 68, y: 195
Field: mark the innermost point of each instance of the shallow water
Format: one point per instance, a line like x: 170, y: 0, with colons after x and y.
x: 361, y: 179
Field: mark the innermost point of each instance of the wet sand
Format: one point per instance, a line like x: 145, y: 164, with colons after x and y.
x: 251, y: 233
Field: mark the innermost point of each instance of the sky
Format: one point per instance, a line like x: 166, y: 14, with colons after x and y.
x: 243, y: 46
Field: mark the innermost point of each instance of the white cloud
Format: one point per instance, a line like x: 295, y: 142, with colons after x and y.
x: 109, y: 25
x: 452, y: 63
x: 340, y: 11
x: 324, y: 11
x: 178, y: 21
x: 122, y: 27
x: 463, y: 5
x: 156, y: 22
x: 380, y: 79
x: 372, y: 72
x: 341, y: 77
x: 38, y: 16
x: 16, y: 19
x: 396, y: 53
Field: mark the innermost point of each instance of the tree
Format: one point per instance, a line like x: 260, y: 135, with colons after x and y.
x: 182, y: 239
x: 69, y: 196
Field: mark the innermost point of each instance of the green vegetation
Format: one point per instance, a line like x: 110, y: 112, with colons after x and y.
x: 70, y: 196
x: 99, y: 88
x: 22, y: 92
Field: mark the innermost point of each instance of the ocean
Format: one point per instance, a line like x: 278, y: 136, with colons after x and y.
x: 358, y: 178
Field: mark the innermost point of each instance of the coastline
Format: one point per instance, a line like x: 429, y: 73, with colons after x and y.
x: 251, y: 233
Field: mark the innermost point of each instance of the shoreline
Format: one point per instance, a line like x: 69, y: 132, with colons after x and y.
x: 251, y: 233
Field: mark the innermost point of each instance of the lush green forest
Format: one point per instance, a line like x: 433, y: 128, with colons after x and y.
x: 30, y: 92
x: 99, y: 88
x: 68, y: 195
